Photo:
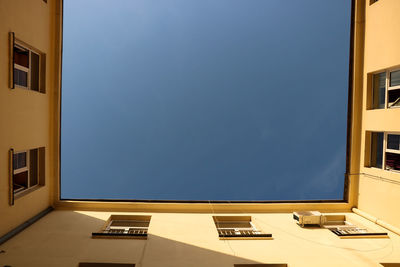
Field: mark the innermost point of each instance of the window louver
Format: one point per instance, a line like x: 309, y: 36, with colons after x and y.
x: 241, y: 233
x: 354, y: 232
x: 125, y: 226
x: 238, y: 227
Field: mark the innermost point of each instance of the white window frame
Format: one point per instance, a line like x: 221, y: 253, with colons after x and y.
x: 387, y: 88
x: 22, y: 46
x: 390, y: 88
x: 384, y: 151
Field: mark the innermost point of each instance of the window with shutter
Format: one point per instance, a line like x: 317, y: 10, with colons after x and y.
x: 238, y: 227
x: 27, y: 66
x: 27, y: 171
x: 340, y: 226
x: 124, y: 226
x: 383, y: 150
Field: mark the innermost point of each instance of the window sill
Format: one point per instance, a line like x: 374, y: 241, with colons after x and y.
x: 385, y: 171
x: 372, y: 235
x: 118, y: 236
x: 26, y: 191
x: 28, y: 89
x: 255, y: 237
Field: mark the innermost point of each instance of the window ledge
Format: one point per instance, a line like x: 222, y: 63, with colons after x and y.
x: 119, y: 236
x: 27, y: 191
x: 260, y: 237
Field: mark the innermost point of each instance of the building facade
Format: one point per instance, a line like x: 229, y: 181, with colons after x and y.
x: 37, y: 228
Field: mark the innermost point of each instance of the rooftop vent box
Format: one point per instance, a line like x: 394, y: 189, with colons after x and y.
x: 307, y: 217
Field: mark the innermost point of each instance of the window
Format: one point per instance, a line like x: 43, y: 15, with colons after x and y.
x: 373, y: 1
x: 124, y: 226
x: 27, y: 66
x: 379, y: 90
x: 384, y: 150
x: 27, y: 171
x: 238, y: 227
x: 385, y: 90
x: 394, y: 89
x: 390, y: 264
x: 341, y: 227
x: 377, y: 149
x: 393, y: 152
x: 97, y: 264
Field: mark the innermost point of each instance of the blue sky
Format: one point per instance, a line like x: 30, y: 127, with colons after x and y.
x: 204, y: 99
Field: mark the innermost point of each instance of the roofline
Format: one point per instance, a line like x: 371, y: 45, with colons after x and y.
x: 343, y: 205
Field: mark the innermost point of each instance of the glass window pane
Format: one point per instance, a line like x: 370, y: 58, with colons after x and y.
x: 395, y: 78
x: 15, y: 161
x: 379, y: 90
x: 394, y: 98
x: 20, y: 78
x: 392, y: 161
x: 19, y: 160
x: 393, y: 141
x: 35, y: 71
x: 376, y: 149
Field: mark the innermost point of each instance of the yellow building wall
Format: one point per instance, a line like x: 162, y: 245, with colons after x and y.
x: 63, y: 238
x: 379, y: 190
x: 25, y: 115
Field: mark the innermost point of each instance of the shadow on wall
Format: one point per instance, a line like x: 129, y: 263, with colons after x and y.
x: 63, y: 238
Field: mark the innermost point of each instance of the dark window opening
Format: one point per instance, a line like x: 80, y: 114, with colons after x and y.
x: 21, y: 78
x: 28, y: 67
x: 28, y: 169
x: 35, y: 75
x: 393, y: 141
x: 394, y: 98
x: 392, y: 161
x: 21, y: 57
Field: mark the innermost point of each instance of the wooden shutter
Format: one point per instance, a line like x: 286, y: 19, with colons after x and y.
x: 42, y: 78
x: 11, y: 59
x: 42, y: 166
x: 11, y: 177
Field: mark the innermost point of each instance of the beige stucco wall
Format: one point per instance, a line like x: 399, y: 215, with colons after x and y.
x: 63, y: 238
x: 379, y: 190
x: 25, y: 115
